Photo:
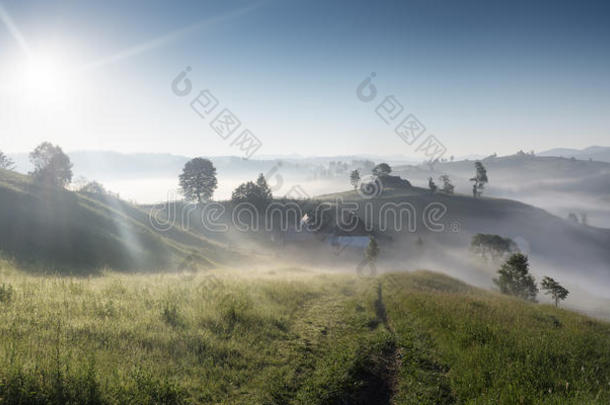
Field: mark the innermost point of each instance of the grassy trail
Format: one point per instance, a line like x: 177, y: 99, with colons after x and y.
x: 266, y: 338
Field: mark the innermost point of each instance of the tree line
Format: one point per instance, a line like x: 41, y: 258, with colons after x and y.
x: 382, y: 170
x: 198, y: 179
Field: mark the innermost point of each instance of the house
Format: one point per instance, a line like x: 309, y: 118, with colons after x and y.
x: 348, y: 241
x: 295, y: 233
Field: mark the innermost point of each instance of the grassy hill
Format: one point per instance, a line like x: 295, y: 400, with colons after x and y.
x: 575, y: 253
x: 522, y: 163
x: 494, y: 215
x: 559, y: 185
x: 58, y: 230
x: 290, y: 336
x: 520, y: 172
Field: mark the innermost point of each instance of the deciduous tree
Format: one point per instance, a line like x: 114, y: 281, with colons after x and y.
x: 493, y: 247
x: 354, y: 178
x: 256, y: 193
x: 51, y: 165
x: 198, y: 180
x: 554, y: 289
x: 515, y: 279
x: 479, y: 179
x: 6, y: 162
x: 432, y: 185
x: 447, y: 186
x: 382, y: 169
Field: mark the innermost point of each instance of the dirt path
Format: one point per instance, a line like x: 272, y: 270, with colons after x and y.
x: 393, y: 358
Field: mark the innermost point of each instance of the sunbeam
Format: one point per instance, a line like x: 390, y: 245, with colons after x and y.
x: 169, y: 37
x: 14, y: 31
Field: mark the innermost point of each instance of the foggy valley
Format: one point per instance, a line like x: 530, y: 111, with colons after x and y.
x: 304, y: 203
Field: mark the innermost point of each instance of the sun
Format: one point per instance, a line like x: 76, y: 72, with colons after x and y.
x: 43, y: 83
x: 46, y: 73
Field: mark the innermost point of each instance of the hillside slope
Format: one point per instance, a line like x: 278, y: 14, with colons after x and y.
x: 519, y: 172
x: 559, y: 185
x: 63, y: 231
x: 291, y: 336
x: 575, y: 252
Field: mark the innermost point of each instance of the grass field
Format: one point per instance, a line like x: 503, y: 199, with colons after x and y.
x: 289, y: 336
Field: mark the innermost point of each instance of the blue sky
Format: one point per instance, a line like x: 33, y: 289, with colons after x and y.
x: 483, y: 77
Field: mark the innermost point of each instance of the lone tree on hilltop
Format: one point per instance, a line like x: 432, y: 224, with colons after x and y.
x: 554, y: 289
x: 6, y: 162
x: 515, y: 279
x: 479, y: 179
x: 448, y: 187
x: 198, y: 180
x: 51, y: 165
x: 382, y: 169
x: 354, y: 178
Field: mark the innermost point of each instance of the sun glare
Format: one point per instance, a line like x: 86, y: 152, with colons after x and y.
x: 44, y: 88
x: 46, y: 73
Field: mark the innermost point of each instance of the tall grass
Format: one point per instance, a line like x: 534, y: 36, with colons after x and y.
x: 485, y: 348
x: 289, y: 336
x: 200, y: 338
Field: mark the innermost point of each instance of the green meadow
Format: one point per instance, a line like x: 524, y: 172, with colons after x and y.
x: 289, y: 336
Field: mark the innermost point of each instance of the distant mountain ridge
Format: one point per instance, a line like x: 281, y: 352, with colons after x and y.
x: 599, y: 153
